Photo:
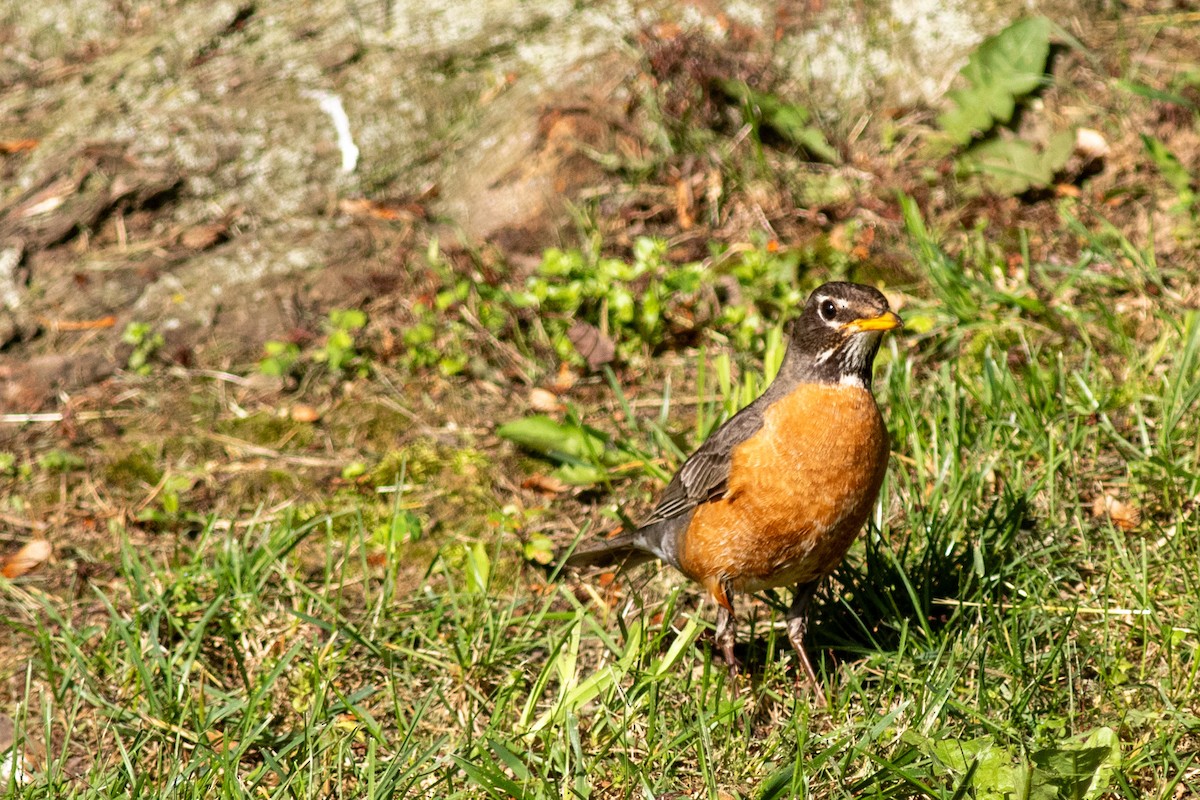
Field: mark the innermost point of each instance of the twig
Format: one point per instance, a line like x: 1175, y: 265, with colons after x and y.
x: 266, y: 452
x: 24, y: 419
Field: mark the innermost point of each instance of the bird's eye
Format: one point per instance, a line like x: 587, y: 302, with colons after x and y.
x: 828, y: 310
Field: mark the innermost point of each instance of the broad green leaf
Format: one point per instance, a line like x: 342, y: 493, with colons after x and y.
x: 1013, y: 166
x: 478, y: 569
x: 1003, y: 69
x: 789, y: 120
x: 539, y: 549
x: 580, y: 474
x: 1077, y: 771
x: 560, y: 440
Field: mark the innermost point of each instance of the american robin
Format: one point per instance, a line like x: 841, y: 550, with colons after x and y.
x: 777, y: 494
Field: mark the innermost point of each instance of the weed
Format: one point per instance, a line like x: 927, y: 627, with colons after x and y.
x: 340, y: 352
x: 146, y: 342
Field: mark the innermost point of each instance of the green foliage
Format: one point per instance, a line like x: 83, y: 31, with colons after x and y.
x: 585, y: 455
x: 168, y: 509
x: 403, y: 527
x: 146, y: 342
x: 1079, y: 768
x: 59, y: 461
x: 281, y: 358
x: 644, y: 302
x: 340, y: 351
x: 424, y: 347
x: 639, y: 306
x: 1002, y: 70
x: 354, y: 470
x: 8, y: 463
x: 1173, y: 172
x: 1012, y: 166
x: 538, y: 549
x: 790, y: 121
x: 979, y: 306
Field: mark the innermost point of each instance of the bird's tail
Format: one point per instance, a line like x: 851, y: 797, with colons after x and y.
x: 622, y: 551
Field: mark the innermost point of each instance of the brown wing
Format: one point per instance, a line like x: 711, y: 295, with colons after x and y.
x: 705, y: 475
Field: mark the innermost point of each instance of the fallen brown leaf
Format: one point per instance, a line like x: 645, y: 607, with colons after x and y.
x: 547, y: 484
x: 32, y: 555
x: 202, y: 237
x: 17, y: 145
x: 683, y: 204
x: 382, y: 209
x: 1124, y: 515
x: 302, y: 412
x: 78, y: 325
x: 565, y: 379
x: 596, y: 348
x: 544, y: 401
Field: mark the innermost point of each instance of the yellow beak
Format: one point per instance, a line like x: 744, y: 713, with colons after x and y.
x: 886, y: 321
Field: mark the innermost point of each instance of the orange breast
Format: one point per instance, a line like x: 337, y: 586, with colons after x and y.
x: 799, y: 491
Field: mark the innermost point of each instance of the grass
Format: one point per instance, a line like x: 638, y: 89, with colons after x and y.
x: 989, y: 636
x: 1021, y: 618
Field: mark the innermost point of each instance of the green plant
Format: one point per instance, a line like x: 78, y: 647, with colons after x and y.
x: 146, y: 342
x: 432, y: 340
x: 1002, y: 71
x: 644, y: 303
x: 340, y: 351
x: 59, y: 461
x: 1177, y: 176
x: 281, y: 358
x: 790, y: 121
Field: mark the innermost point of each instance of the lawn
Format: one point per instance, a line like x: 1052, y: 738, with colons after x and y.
x: 1020, y: 618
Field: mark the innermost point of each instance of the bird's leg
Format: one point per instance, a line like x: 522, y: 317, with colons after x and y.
x: 725, y: 637
x: 797, y: 617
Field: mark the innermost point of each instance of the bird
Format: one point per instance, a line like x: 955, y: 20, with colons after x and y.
x: 778, y: 493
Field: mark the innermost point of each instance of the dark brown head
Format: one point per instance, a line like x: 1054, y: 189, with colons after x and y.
x: 837, y: 335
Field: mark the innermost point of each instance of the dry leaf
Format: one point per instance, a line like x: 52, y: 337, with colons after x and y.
x: 547, y: 484
x: 47, y: 199
x: 78, y: 325
x: 1091, y: 144
x: 305, y: 413
x: 31, y: 556
x: 202, y: 237
x: 544, y: 401
x: 565, y: 379
x: 1124, y: 515
x: 382, y: 209
x: 596, y: 348
x: 17, y: 145
x: 683, y: 205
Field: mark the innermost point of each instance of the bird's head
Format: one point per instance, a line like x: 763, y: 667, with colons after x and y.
x: 837, y: 335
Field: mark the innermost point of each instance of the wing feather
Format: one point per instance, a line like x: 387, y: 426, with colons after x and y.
x: 705, y: 475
